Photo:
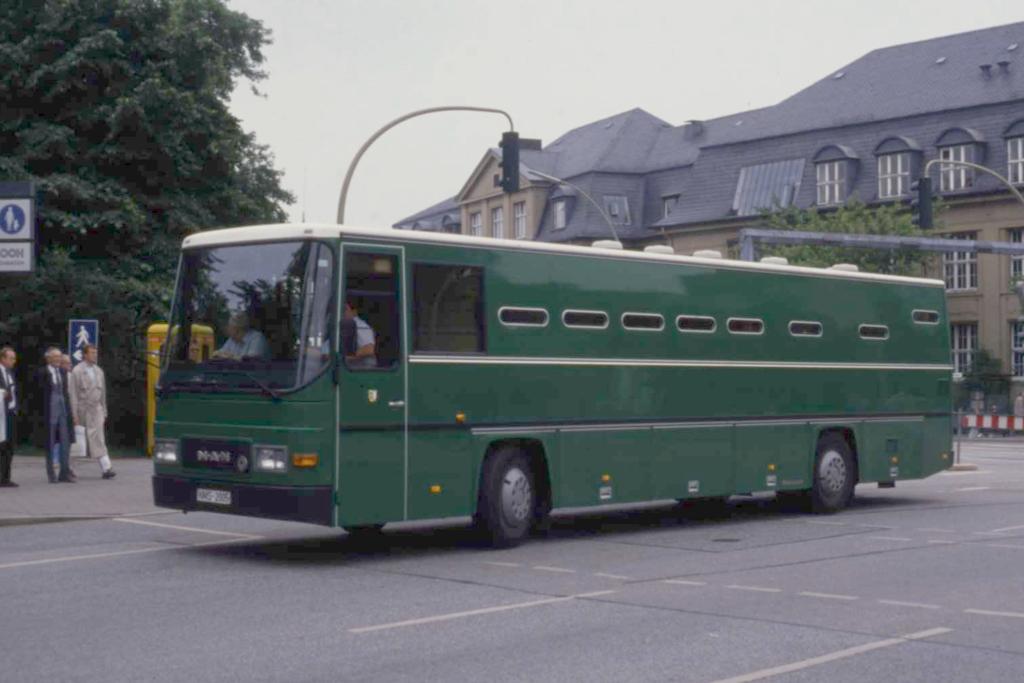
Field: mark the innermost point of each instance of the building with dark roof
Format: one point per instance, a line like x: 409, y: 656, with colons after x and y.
x: 862, y: 132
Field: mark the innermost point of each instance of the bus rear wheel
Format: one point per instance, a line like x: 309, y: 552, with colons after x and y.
x: 507, y: 504
x: 834, y: 475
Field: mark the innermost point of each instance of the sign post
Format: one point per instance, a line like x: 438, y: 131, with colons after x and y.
x: 80, y: 333
x: 17, y: 228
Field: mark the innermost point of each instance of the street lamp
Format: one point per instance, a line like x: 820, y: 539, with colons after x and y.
x: 389, y: 126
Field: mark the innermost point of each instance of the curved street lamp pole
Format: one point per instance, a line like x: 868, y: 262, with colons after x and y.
x: 583, y: 192
x: 389, y: 126
x: 977, y: 167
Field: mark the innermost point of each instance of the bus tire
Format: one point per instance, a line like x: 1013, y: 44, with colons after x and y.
x: 835, y: 475
x: 507, y: 504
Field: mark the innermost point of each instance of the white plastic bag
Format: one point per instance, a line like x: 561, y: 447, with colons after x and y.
x: 78, y: 447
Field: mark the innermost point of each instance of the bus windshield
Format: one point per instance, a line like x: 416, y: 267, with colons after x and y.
x: 251, y: 317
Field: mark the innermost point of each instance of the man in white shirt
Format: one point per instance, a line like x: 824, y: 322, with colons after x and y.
x: 365, y: 355
x: 88, y: 389
x: 8, y: 411
x: 242, y: 342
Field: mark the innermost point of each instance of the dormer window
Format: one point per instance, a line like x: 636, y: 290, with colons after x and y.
x: 560, y: 214
x: 959, y: 144
x: 617, y: 208
x: 1015, y: 152
x: 897, y: 158
x: 668, y: 203
x: 835, y: 167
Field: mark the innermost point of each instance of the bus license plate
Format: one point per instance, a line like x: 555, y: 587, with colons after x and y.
x: 213, y: 496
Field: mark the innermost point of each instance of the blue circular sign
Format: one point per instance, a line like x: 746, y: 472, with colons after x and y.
x: 12, y: 219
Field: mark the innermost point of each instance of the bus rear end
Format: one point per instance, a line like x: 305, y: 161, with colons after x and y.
x: 249, y: 427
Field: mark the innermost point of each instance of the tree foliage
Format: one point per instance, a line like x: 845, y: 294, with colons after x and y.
x: 118, y: 111
x: 852, y: 218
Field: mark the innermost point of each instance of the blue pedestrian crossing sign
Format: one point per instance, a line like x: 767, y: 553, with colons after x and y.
x: 80, y: 333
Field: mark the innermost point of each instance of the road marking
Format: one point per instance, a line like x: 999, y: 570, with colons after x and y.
x: 889, y: 538
x: 990, y: 613
x: 928, y: 529
x: 824, y: 523
x: 827, y: 596
x: 875, y: 526
x: 972, y: 488
x: 759, y: 589
x: 1005, y: 545
x: 617, y: 577
x: 475, y: 612
x: 502, y: 564
x: 684, y: 582
x: 938, y: 541
x: 901, y: 603
x: 833, y: 656
x: 1004, y: 529
x: 557, y: 570
x: 116, y: 553
x: 184, y: 528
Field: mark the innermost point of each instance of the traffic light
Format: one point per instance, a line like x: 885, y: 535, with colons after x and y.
x: 921, y: 203
x: 510, y: 161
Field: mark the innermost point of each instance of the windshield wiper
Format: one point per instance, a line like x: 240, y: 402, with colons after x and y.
x: 265, y: 387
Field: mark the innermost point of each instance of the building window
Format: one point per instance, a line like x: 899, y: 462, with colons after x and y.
x: 1017, y: 344
x: 961, y: 267
x: 965, y: 342
x: 559, y: 215
x: 475, y: 226
x: 1017, y: 262
x: 668, y: 204
x: 831, y: 182
x: 951, y: 176
x: 617, y: 208
x: 893, y: 175
x: 497, y: 222
x: 519, y: 220
x: 1015, y: 160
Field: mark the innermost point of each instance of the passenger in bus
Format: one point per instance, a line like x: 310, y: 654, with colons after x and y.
x: 365, y: 354
x: 242, y: 342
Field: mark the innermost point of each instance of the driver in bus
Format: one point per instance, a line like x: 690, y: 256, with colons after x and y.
x: 365, y: 354
x: 242, y: 342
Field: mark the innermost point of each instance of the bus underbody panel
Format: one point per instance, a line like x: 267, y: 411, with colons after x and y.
x: 311, y: 504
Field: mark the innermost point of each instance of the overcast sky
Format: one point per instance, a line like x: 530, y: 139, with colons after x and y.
x: 341, y: 69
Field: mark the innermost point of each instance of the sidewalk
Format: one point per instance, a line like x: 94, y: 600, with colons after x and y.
x: 37, y: 500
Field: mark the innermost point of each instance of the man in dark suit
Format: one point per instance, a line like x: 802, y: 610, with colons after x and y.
x: 8, y: 410
x: 52, y: 386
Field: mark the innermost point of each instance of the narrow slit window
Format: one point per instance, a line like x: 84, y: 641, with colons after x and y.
x: 746, y: 326
x: 805, y: 328
x: 645, y: 322
x: 696, y: 323
x: 926, y: 317
x: 594, y: 320
x: 523, y: 317
x: 876, y: 332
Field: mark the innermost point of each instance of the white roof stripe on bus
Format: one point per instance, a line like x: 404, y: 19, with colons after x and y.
x: 264, y: 233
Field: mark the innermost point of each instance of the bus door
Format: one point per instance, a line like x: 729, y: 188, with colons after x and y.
x: 372, y: 415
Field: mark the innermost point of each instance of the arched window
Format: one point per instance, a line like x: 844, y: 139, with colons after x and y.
x: 835, y: 169
x: 959, y: 144
x: 898, y: 161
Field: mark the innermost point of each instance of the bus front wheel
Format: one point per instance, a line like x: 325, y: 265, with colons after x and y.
x: 834, y: 475
x: 508, y: 498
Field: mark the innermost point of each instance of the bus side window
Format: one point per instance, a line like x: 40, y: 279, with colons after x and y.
x: 371, y: 301
x: 448, y: 309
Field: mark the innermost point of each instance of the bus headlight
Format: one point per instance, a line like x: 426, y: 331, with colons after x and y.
x: 165, y: 450
x: 272, y: 458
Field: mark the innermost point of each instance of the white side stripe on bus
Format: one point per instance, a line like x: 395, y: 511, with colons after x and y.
x: 729, y: 422
x: 657, y: 362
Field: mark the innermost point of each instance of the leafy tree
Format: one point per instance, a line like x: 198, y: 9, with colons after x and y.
x: 852, y: 218
x: 118, y: 111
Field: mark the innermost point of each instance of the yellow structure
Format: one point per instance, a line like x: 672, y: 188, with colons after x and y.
x: 156, y: 335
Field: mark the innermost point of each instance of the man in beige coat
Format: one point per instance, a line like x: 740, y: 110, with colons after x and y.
x: 88, y: 389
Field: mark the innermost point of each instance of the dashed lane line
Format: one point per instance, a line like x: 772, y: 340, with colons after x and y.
x: 993, y: 613
x: 890, y: 538
x: 756, y: 589
x: 476, y: 612
x: 554, y: 570
x: 833, y: 656
x: 116, y: 553
x: 177, y: 527
x: 685, y: 582
x: 617, y: 577
x: 1005, y: 529
x: 827, y: 596
x: 903, y: 603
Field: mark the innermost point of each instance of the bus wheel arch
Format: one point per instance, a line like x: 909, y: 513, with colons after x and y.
x: 514, y: 473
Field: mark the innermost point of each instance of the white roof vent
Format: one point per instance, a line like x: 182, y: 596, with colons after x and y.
x: 607, y: 244
x: 775, y: 260
x: 659, y: 249
x: 848, y: 267
x: 708, y: 253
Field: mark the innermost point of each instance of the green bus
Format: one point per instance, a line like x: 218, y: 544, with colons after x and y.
x: 365, y: 376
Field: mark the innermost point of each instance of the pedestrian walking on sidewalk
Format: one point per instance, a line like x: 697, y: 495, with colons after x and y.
x: 8, y: 411
x: 89, y: 406
x: 52, y: 386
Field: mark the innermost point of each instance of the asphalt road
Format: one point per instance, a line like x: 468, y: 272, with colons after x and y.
x: 919, y: 583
